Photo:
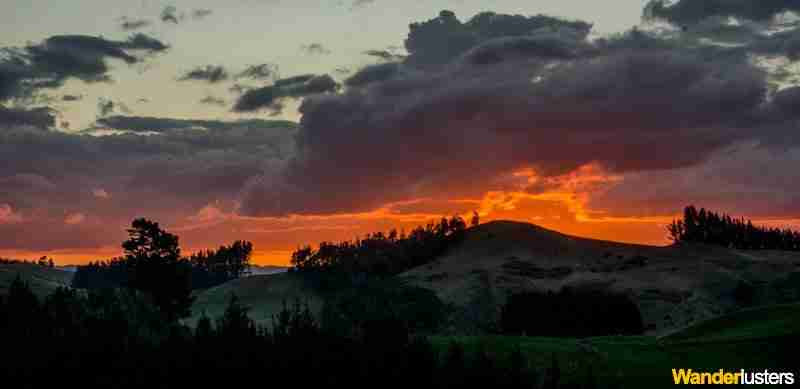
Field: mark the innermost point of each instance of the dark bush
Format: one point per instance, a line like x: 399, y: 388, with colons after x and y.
x: 570, y: 313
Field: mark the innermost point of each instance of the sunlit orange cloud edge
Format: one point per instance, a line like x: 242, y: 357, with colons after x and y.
x: 570, y: 193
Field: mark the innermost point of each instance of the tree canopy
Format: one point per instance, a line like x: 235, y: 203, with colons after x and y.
x: 709, y: 227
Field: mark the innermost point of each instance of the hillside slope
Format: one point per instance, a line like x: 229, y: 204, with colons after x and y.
x: 42, y: 280
x: 264, y: 294
x: 674, y: 286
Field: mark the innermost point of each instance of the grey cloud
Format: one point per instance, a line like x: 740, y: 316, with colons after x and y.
x: 158, y: 124
x: 72, y: 97
x: 783, y: 43
x: 58, y: 58
x: 145, y: 42
x: 538, y: 47
x: 128, y: 24
x: 442, y: 39
x: 374, y: 73
x: 106, y: 107
x: 632, y: 103
x: 270, y: 97
x: 361, y: 3
x: 42, y: 118
x: 342, y: 70
x: 170, y: 15
x: 211, y: 100
x: 385, y: 55
x: 175, y: 173
x: 315, y: 49
x: 266, y: 71
x: 202, y: 13
x: 693, y: 11
x: 209, y: 73
x: 743, y: 179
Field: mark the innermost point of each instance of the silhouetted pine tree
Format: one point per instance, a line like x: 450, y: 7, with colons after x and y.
x: 720, y: 229
x: 379, y: 253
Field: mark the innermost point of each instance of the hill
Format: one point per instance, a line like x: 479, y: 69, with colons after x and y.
x: 264, y: 294
x: 43, y: 280
x: 674, y: 286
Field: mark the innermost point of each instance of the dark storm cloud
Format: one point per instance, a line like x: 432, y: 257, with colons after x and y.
x: 270, y: 97
x: 442, y: 39
x: 693, y: 11
x: 315, y: 48
x: 524, y: 93
x: 58, y: 58
x: 209, y: 73
x: 783, y: 43
x: 474, y: 102
x: 745, y: 180
x: 42, y: 118
x: 129, y: 24
x: 265, y: 71
x: 537, y: 47
x: 175, y: 173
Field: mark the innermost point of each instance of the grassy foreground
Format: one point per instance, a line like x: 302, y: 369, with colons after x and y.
x: 762, y: 338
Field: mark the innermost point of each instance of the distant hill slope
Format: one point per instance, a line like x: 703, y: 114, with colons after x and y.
x: 264, y: 294
x: 42, y: 280
x: 674, y: 286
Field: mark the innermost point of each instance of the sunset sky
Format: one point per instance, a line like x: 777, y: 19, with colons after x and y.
x: 292, y: 122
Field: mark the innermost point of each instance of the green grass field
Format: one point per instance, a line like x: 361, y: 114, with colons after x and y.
x: 761, y: 338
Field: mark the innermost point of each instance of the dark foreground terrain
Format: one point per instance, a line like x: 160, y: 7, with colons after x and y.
x: 447, y: 323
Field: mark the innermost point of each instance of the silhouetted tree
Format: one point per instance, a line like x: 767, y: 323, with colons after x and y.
x: 235, y: 322
x: 704, y: 226
x: 476, y: 219
x: 379, y: 253
x: 156, y: 267
x: 214, y: 267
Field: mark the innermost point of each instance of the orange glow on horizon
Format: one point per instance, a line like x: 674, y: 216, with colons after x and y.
x: 560, y: 203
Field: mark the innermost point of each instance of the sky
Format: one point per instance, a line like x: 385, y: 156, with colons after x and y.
x: 292, y: 122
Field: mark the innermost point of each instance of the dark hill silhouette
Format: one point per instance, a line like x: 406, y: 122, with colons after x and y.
x: 672, y: 285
